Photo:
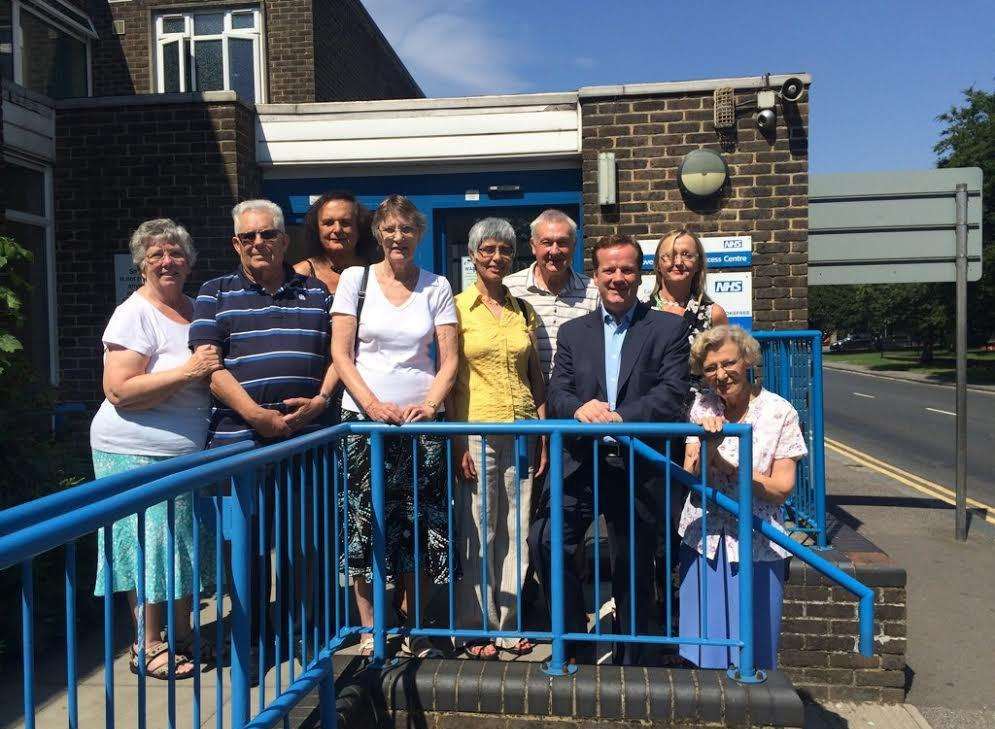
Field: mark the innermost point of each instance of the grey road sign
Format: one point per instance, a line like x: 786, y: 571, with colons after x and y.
x: 891, y: 227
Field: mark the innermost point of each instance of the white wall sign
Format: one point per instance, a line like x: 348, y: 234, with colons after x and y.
x: 729, y: 251
x: 734, y: 292
x: 468, y: 274
x: 126, y: 277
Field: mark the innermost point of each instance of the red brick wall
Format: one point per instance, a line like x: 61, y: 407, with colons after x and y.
x: 766, y: 196
x: 119, y: 165
x: 354, y: 61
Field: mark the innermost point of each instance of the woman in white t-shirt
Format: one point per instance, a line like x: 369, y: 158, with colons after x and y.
x: 390, y: 377
x: 157, y: 407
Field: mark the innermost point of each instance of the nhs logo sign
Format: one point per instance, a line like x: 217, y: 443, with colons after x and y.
x: 733, y: 291
x: 729, y: 287
x: 735, y: 251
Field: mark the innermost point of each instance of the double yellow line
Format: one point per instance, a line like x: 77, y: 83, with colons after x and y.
x: 935, y: 490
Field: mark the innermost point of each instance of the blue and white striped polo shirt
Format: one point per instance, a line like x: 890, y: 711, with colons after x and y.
x: 277, y: 346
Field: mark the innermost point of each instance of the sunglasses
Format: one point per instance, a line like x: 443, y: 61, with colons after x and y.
x: 249, y: 236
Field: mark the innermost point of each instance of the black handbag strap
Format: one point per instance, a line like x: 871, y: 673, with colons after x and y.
x: 360, y: 300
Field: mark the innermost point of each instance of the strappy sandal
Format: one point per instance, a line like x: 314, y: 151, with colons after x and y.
x: 366, y: 646
x: 421, y: 647
x: 161, y: 672
x: 522, y: 648
x: 484, y: 651
x: 207, y: 652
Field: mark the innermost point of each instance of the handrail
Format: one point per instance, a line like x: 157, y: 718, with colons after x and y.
x: 28, y: 513
x: 806, y: 555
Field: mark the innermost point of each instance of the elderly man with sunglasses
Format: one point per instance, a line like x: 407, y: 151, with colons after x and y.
x: 272, y: 327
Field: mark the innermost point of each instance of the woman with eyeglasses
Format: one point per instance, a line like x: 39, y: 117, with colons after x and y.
x: 499, y: 380
x: 680, y: 289
x: 709, y: 562
x: 385, y: 319
x: 156, y: 407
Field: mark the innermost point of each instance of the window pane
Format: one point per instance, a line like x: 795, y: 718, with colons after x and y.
x: 209, y: 68
x: 6, y: 44
x: 25, y: 189
x: 240, y: 64
x: 208, y: 23
x: 171, y: 67
x: 242, y: 21
x: 53, y: 62
x: 174, y: 25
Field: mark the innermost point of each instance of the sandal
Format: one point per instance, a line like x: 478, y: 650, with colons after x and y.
x: 207, y: 653
x: 522, y: 648
x: 484, y: 651
x: 366, y: 646
x: 421, y: 647
x: 161, y: 671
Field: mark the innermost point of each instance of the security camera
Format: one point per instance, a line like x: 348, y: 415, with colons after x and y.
x: 766, y: 120
x: 792, y: 89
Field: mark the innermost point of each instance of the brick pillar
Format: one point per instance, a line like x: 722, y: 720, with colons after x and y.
x: 766, y: 196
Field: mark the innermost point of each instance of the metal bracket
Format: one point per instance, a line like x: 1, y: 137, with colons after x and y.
x: 758, y: 677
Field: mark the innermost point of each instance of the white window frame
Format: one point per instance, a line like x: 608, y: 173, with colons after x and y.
x: 188, y: 41
x: 49, y: 18
x: 47, y: 222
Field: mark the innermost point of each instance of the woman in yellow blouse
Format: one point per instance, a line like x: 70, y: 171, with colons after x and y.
x: 499, y: 380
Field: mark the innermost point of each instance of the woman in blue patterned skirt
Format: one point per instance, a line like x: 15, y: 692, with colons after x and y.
x: 157, y: 407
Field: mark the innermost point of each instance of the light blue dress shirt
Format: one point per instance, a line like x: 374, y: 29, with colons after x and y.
x: 615, y: 332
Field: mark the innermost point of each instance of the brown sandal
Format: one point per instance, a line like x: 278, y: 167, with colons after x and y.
x: 522, y: 648
x: 482, y: 651
x: 161, y: 672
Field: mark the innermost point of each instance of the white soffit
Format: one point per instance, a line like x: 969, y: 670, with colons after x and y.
x: 419, y: 130
x: 28, y: 123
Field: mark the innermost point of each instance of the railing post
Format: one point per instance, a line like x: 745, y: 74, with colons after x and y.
x: 557, y: 665
x: 818, y: 444
x: 379, y: 549
x: 244, y: 493
x: 28, y: 641
x: 746, y: 671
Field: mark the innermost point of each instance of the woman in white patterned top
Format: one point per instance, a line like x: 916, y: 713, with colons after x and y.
x: 722, y: 355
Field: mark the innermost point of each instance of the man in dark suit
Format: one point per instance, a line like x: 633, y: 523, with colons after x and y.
x: 624, y: 362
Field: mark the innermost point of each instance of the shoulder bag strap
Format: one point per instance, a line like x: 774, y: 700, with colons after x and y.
x: 360, y: 300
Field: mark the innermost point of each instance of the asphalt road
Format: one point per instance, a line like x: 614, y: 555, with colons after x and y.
x: 912, y: 426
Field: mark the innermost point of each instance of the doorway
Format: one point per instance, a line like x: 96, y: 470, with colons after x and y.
x: 453, y: 228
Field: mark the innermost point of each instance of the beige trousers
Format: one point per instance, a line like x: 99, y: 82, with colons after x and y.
x: 500, y: 544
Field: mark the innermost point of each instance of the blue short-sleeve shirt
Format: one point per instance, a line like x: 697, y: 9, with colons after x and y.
x: 277, y: 346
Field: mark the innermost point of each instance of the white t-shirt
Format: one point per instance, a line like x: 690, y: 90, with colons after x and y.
x: 175, y: 426
x: 394, y: 357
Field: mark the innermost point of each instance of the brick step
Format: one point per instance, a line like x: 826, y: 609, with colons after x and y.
x: 458, y: 693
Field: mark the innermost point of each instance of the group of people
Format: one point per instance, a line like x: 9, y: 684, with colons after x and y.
x: 359, y: 332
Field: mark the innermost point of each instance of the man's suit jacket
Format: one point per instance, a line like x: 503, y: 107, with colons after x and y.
x: 653, y: 378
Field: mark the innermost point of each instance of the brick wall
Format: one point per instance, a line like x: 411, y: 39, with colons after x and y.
x: 819, y: 632
x: 766, y: 196
x: 120, y: 164
x: 353, y: 61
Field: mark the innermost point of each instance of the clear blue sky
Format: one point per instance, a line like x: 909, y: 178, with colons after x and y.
x: 881, y: 71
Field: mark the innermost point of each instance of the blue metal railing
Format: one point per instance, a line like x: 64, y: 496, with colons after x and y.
x: 792, y: 368
x: 287, y: 502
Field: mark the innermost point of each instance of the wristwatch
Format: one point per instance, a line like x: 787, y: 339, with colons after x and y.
x: 432, y: 404
x: 326, y: 398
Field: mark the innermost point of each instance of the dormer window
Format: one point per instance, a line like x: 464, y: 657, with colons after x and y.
x: 210, y: 49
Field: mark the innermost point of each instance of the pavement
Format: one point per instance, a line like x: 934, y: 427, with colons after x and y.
x: 951, y: 590
x: 912, y: 425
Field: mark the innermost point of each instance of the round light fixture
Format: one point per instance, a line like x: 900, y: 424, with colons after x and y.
x: 702, y: 173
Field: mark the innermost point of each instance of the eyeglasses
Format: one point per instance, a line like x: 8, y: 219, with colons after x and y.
x: 489, y: 252
x: 714, y: 368
x: 406, y: 231
x: 688, y: 256
x: 249, y: 236
x: 159, y: 256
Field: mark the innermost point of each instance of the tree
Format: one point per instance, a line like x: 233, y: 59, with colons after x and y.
x: 12, y: 288
x: 926, y: 311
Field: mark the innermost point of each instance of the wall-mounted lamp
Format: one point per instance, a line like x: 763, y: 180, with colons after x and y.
x: 702, y: 173
x: 606, y: 179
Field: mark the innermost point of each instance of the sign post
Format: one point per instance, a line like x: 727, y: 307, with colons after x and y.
x: 961, y: 487
x: 894, y: 227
